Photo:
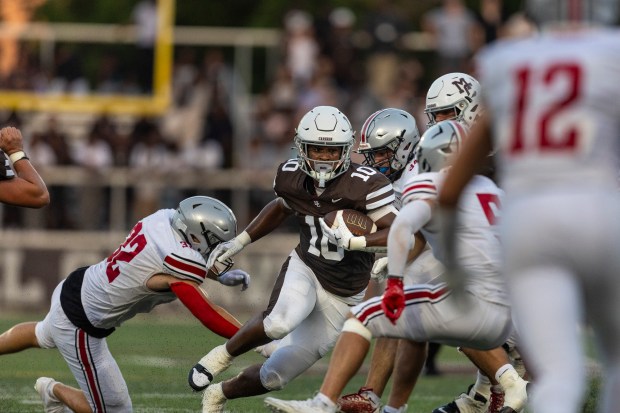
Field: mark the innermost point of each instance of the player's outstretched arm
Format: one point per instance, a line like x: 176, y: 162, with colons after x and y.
x: 212, y: 316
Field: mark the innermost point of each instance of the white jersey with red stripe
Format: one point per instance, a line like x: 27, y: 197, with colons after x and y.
x: 425, y: 268
x: 114, y: 290
x: 479, y: 249
x: 556, y: 115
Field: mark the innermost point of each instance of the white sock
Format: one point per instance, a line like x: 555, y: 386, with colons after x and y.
x: 482, y: 385
x: 502, y: 370
x: 390, y: 409
x: 325, y: 400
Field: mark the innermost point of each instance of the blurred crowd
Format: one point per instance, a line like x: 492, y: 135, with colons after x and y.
x: 356, y: 63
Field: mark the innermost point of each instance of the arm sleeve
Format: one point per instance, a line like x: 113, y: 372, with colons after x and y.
x: 209, y: 315
x: 411, y: 219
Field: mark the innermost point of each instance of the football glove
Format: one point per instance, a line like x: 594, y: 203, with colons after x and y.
x: 340, y: 235
x: 393, y: 300
x: 235, y: 277
x: 379, y: 270
x: 227, y: 250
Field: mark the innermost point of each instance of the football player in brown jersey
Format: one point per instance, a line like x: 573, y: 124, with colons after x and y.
x: 20, y: 184
x: 323, y: 276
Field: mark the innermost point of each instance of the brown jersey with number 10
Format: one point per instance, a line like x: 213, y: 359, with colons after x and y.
x: 341, y: 272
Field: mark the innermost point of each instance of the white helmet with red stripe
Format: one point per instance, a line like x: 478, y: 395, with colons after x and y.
x: 438, y: 144
x: 389, y: 129
x: 204, y: 222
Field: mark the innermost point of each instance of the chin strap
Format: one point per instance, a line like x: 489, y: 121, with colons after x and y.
x: 211, y: 316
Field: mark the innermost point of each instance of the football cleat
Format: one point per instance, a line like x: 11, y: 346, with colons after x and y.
x: 213, y: 399
x: 364, y: 401
x: 298, y: 406
x: 401, y: 409
x: 215, y: 362
x: 465, y: 403
x: 44, y: 386
x: 199, y: 377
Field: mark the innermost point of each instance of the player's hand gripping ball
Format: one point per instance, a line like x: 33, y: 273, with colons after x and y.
x: 357, y: 222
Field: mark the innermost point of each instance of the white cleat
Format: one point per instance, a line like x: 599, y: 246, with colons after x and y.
x: 213, y: 399
x: 51, y: 404
x: 215, y: 362
x: 298, y: 406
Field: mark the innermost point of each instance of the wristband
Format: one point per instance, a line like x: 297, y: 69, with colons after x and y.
x: 244, y: 238
x: 17, y: 156
x: 357, y: 243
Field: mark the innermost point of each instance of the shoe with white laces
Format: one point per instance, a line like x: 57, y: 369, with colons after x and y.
x: 44, y: 386
x: 213, y: 399
x: 215, y: 362
x: 298, y: 406
x: 465, y: 403
x: 515, y: 392
x: 364, y: 401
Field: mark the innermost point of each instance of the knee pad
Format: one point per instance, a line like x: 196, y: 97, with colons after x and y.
x: 276, y: 327
x: 353, y: 325
x: 271, y: 379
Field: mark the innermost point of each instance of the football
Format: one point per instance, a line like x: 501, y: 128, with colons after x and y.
x: 358, y: 223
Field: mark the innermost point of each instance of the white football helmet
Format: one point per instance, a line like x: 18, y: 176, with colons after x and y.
x: 324, y: 126
x: 204, y: 222
x: 438, y: 144
x: 603, y: 12
x: 392, y: 129
x: 455, y: 91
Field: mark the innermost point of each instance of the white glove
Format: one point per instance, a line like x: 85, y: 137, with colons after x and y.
x: 379, y: 270
x: 332, y: 234
x: 227, y: 250
x: 340, y: 235
x: 235, y: 277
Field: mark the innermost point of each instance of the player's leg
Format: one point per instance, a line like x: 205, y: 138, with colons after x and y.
x: 410, y: 359
x: 547, y: 303
x: 347, y: 356
x: 603, y: 309
x: 18, y: 338
x: 368, y: 397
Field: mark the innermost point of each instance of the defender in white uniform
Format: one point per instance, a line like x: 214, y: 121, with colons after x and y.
x: 555, y: 120
x: 162, y: 258
x: 476, y: 316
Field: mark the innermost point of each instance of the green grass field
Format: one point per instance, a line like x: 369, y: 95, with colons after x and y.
x: 155, y: 354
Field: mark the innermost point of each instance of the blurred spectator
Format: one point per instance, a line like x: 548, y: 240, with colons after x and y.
x: 301, y: 47
x: 339, y: 47
x: 95, y: 155
x: 386, y: 24
x: 491, y: 16
x: 60, y: 213
x: 454, y: 29
x: 150, y: 160
x: 144, y: 16
x: 68, y: 74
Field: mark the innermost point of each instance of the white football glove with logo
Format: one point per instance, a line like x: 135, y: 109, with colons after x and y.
x: 379, y: 270
x: 235, y: 277
x: 340, y: 234
x: 227, y: 250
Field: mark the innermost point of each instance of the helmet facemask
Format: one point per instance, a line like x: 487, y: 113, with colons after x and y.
x: 323, y: 170
x: 204, y: 223
x: 324, y: 126
x: 393, y: 131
